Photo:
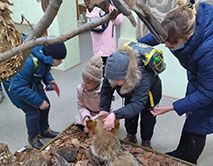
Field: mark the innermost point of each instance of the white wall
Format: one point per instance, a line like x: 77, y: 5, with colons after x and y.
x: 65, y: 21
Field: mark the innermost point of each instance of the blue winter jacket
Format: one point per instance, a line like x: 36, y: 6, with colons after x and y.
x: 25, y: 89
x: 197, y: 58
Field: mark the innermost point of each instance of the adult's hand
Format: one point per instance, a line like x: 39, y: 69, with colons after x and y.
x: 109, y: 121
x: 161, y: 110
x: 44, y: 105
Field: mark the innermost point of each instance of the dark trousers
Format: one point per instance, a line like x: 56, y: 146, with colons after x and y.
x: 190, y: 147
x: 104, y: 59
x: 36, y: 120
x: 147, y: 123
x: 0, y: 87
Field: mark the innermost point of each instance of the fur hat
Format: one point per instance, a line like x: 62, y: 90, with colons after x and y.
x: 117, y: 65
x: 94, y: 69
x: 56, y: 51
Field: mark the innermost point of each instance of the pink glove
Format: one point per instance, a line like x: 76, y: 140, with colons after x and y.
x: 109, y: 121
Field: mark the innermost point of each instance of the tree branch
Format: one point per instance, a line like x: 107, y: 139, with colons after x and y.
x: 28, y: 45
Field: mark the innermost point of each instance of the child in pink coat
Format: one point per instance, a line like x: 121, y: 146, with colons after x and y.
x: 104, y: 41
x: 89, y: 91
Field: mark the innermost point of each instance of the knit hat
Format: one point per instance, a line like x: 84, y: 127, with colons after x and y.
x: 57, y: 51
x: 94, y: 69
x: 117, y: 65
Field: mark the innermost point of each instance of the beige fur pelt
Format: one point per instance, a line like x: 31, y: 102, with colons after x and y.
x: 106, y: 149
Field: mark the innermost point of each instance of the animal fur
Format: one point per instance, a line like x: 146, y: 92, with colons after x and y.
x: 106, y: 149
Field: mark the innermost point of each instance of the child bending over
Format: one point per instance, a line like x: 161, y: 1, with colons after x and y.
x: 88, y: 92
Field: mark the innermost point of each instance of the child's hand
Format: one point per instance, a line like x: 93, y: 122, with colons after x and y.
x: 44, y: 105
x: 109, y: 121
x: 85, y: 120
x: 86, y: 130
x: 85, y: 124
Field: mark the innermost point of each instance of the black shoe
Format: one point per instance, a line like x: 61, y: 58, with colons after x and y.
x: 35, y: 142
x: 48, y: 133
x: 131, y: 138
x: 146, y: 143
x: 175, y: 153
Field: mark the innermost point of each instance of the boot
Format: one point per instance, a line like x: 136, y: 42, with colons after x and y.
x: 48, y: 133
x: 131, y: 138
x: 35, y: 142
x: 146, y: 143
x: 1, y: 96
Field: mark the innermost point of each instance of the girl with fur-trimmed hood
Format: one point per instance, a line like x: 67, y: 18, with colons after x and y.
x: 126, y: 73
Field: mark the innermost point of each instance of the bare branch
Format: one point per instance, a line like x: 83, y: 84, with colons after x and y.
x: 16, y: 64
x: 46, y: 20
x: 28, y: 22
x: 64, y: 37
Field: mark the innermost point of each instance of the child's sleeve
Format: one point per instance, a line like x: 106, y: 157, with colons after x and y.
x: 20, y: 83
x: 82, y: 109
x: 119, y: 19
x: 48, y: 77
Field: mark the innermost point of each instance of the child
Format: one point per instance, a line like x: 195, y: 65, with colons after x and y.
x: 104, y: 41
x: 138, y: 84
x: 89, y: 91
x: 26, y: 90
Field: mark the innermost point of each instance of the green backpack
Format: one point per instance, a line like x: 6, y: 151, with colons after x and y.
x: 151, y: 57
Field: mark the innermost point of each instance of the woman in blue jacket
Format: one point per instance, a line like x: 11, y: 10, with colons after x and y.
x: 190, y: 39
x: 26, y: 90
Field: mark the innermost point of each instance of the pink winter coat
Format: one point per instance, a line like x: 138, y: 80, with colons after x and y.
x: 104, y: 44
x: 88, y: 103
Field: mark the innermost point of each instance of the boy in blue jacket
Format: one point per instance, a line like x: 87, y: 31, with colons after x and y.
x: 26, y: 90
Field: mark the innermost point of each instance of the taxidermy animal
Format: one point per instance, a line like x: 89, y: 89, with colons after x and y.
x: 106, y: 149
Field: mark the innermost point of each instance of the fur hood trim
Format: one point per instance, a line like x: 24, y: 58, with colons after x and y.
x: 133, y: 74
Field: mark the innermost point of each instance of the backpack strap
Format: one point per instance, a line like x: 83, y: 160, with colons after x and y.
x: 151, y: 100
x: 35, y: 61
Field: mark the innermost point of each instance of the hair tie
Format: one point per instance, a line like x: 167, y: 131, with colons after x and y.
x: 191, y: 4
x: 90, y: 78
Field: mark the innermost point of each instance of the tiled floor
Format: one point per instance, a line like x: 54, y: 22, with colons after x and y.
x: 63, y: 110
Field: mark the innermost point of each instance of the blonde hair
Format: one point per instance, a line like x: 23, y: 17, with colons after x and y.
x: 180, y: 22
